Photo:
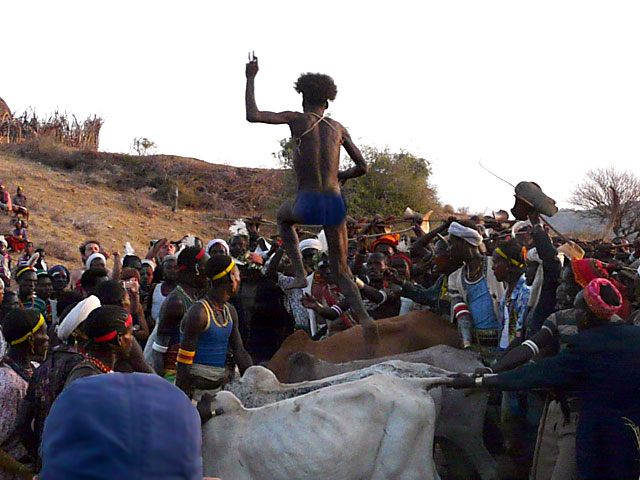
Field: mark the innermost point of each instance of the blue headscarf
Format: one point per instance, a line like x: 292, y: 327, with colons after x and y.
x: 122, y: 425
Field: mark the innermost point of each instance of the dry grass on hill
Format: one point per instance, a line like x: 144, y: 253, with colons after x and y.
x: 202, y: 185
x: 69, y: 206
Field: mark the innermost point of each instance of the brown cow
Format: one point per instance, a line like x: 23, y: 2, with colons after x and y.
x: 407, y: 333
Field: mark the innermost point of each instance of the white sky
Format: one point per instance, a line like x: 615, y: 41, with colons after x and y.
x: 538, y: 90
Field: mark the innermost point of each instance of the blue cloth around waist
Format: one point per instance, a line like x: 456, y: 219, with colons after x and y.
x: 315, y: 208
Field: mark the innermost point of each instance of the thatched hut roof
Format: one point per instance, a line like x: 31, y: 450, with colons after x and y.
x: 4, y: 108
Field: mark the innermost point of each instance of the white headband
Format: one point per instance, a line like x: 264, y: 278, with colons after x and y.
x: 217, y: 241
x: 92, y: 257
x: 467, y: 234
x: 76, y: 316
x: 310, y: 243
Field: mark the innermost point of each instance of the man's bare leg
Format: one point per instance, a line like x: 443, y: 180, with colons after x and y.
x: 337, y: 240
x: 286, y: 222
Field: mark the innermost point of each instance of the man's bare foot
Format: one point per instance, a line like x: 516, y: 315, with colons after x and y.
x: 298, y: 282
x: 371, y: 338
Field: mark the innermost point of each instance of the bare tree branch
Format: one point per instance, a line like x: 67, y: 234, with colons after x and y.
x: 612, y: 197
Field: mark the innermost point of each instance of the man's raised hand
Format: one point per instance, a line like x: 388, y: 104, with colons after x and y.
x: 252, y: 66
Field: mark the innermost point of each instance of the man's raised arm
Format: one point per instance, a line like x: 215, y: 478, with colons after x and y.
x: 360, y: 167
x: 255, y: 115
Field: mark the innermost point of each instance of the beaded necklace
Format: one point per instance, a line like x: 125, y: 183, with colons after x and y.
x: 472, y: 278
x: 226, y: 314
x: 98, y: 364
x: 182, y: 291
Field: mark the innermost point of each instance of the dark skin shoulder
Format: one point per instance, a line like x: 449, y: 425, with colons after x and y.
x: 194, y: 324
x: 171, y: 312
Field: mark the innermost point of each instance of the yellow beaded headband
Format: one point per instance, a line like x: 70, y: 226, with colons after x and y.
x: 225, y: 271
x: 33, y: 330
x: 512, y: 260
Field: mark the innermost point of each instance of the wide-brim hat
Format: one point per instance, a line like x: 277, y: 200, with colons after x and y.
x: 531, y: 199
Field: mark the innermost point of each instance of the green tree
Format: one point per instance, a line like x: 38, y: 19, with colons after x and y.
x: 143, y: 146
x: 394, y: 181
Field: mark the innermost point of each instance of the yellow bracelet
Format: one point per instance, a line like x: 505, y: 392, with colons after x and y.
x: 185, y: 357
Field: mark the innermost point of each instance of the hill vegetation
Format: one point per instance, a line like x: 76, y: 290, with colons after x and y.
x: 201, y: 185
x: 76, y: 195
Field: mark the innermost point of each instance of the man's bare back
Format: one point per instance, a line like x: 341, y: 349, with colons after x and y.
x: 316, y: 158
x: 319, y: 201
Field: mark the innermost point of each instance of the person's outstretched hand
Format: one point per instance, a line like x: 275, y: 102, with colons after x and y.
x: 482, y: 371
x: 204, y: 407
x: 154, y: 250
x: 462, y: 380
x: 252, y: 67
x: 310, y: 302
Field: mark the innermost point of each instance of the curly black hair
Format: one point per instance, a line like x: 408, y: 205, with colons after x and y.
x: 110, y: 292
x: 316, y: 88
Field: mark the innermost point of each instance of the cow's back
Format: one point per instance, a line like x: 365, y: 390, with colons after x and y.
x: 407, y: 333
x: 462, y: 415
x: 380, y: 427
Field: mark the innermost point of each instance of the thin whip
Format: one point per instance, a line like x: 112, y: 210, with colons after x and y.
x: 498, y: 177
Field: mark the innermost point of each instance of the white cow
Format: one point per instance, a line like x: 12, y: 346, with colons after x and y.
x: 259, y: 386
x: 380, y: 427
x: 462, y: 418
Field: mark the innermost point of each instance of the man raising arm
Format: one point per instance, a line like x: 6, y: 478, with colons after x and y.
x: 319, y: 200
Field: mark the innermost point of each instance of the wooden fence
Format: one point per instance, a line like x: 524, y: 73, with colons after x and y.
x: 60, y: 127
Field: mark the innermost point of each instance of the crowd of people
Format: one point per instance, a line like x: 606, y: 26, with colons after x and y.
x: 555, y: 322
x: 199, y: 313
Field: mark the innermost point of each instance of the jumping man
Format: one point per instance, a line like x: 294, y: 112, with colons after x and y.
x: 319, y: 200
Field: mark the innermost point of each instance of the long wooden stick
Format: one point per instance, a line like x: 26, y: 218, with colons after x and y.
x: 272, y: 223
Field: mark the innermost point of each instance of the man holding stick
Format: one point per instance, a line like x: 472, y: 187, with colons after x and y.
x: 319, y: 200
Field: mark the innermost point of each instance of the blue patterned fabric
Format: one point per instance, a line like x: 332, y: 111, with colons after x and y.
x: 480, y: 304
x: 514, y: 312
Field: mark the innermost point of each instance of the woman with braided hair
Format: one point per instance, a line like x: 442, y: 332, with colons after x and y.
x: 209, y: 328
x: 25, y: 333
x: 110, y: 332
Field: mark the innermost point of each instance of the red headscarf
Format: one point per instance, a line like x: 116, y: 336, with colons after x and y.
x: 596, y: 303
x: 403, y: 257
x: 588, y: 269
x: 386, y: 239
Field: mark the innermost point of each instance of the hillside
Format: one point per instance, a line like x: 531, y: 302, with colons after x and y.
x: 107, y: 197
x: 573, y: 222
